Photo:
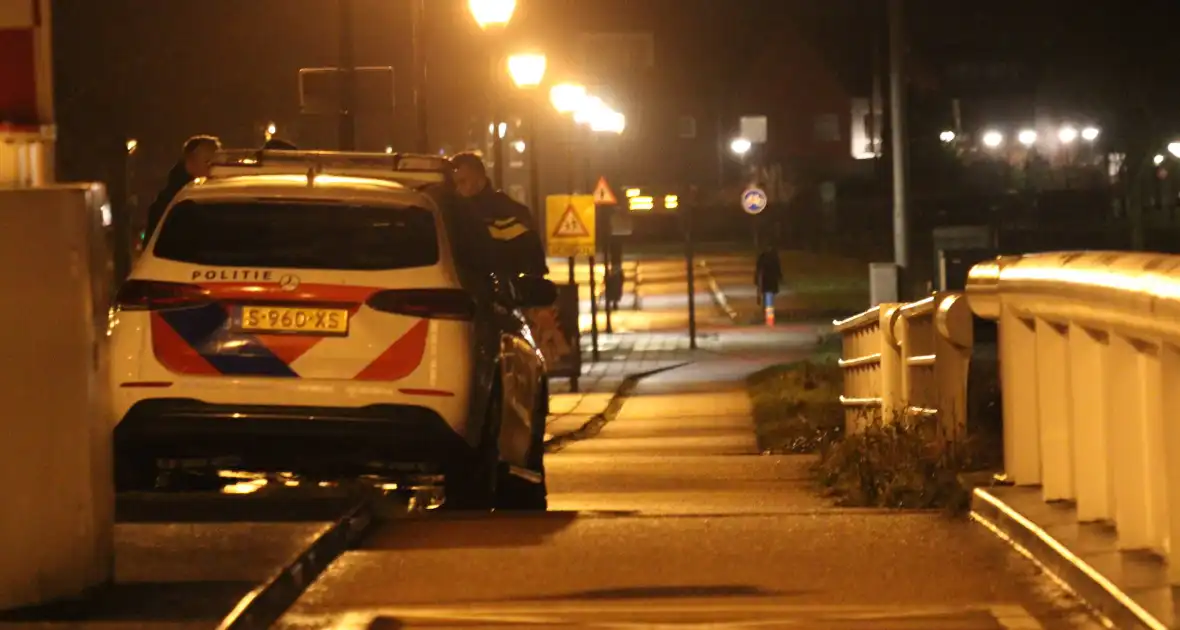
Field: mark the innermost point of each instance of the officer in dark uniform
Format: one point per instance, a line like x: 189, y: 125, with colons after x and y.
x: 510, y: 243
x: 196, y: 160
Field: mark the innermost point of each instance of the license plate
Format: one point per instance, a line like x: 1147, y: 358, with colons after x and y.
x: 312, y: 321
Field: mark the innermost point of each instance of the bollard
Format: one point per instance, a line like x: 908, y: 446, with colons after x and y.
x: 57, y: 510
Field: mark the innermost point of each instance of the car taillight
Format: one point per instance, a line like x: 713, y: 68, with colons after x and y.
x: 426, y: 303
x: 148, y: 295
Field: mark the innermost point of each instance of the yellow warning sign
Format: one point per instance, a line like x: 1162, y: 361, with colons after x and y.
x: 571, y: 225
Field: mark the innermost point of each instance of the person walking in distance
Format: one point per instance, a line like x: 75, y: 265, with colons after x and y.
x: 196, y: 160
x: 508, y: 227
x: 768, y: 274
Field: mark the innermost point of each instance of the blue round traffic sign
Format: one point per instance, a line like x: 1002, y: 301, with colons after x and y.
x: 754, y: 200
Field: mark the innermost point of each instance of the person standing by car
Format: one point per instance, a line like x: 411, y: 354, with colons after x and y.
x: 196, y: 161
x: 767, y: 275
x: 516, y: 246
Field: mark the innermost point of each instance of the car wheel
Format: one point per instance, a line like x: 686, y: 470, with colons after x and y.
x: 514, y: 493
x: 471, y: 485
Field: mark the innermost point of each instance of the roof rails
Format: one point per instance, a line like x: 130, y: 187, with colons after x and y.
x: 408, y: 168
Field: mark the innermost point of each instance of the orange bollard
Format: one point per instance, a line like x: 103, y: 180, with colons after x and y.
x: 770, y: 316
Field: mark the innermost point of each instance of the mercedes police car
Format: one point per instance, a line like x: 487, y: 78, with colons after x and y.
x: 312, y: 311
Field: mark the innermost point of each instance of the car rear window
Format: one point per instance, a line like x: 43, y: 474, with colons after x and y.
x: 298, y: 235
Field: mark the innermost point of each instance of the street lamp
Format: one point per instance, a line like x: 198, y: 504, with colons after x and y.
x: 1027, y: 137
x: 567, y: 98
x: 993, y: 139
x: 947, y: 136
x: 740, y: 146
x: 1090, y: 134
x: 1174, y: 148
x: 527, y: 70
x: 1067, y: 135
x: 491, y: 13
x: 271, y: 130
x: 608, y: 121
x: 494, y: 15
x: 591, y: 108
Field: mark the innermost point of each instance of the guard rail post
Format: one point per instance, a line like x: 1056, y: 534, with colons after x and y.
x: 871, y: 363
x: 1090, y: 355
x: 936, y: 336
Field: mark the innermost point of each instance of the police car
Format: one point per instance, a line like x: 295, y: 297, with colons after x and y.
x: 310, y: 311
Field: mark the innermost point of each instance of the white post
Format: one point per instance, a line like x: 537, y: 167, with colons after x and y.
x: 1169, y: 373
x: 1125, y: 396
x: 1018, y: 378
x: 1091, y: 452
x: 57, y: 509
x: 1054, y: 411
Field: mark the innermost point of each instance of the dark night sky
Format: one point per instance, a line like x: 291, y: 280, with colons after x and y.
x: 162, y: 70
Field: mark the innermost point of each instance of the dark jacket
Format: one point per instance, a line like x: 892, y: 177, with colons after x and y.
x: 509, y: 242
x: 768, y: 273
x: 178, y: 178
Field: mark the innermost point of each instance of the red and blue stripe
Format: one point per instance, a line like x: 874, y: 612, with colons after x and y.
x: 201, y: 340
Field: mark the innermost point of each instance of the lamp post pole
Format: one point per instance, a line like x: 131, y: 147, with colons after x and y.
x: 347, y: 133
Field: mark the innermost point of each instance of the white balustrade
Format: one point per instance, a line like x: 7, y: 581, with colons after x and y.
x: 1089, y: 349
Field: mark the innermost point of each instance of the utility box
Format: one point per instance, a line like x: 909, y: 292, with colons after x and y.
x: 883, y: 283
x: 57, y: 510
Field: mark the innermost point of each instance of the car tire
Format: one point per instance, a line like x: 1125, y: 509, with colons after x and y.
x: 516, y: 494
x: 472, y: 485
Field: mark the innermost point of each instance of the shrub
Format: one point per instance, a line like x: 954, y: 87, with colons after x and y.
x: 905, y: 464
x: 796, y: 406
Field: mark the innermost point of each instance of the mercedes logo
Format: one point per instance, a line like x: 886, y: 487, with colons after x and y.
x: 289, y: 282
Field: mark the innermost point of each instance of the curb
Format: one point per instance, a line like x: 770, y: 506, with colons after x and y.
x: 1061, y: 564
x: 718, y: 295
x: 267, y: 603
x: 595, y: 424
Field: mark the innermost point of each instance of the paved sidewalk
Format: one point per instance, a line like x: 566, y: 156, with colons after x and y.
x: 620, y: 356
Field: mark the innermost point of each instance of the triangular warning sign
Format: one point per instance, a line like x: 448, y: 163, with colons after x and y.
x: 603, y: 195
x: 570, y: 225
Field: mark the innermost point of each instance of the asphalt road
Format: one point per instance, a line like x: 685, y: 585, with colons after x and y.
x: 670, y: 518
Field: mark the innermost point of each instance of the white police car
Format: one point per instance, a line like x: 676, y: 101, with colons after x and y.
x: 308, y: 311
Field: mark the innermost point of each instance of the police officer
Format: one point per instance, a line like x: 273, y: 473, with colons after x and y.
x: 196, y: 161
x: 515, y: 247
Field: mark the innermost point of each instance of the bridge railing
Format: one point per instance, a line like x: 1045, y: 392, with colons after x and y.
x: 1089, y: 348
x: 905, y: 360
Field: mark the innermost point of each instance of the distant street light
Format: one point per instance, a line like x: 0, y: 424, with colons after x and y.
x: 567, y: 98
x: 131, y: 145
x: 493, y: 16
x: 591, y: 108
x: 271, y: 130
x: 1174, y: 148
x: 1067, y: 135
x: 1158, y: 159
x: 1090, y: 134
x: 740, y: 146
x: 491, y: 13
x: 947, y: 136
x: 993, y: 139
x: 1027, y: 137
x: 520, y: 146
x: 608, y: 121
x: 527, y: 70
